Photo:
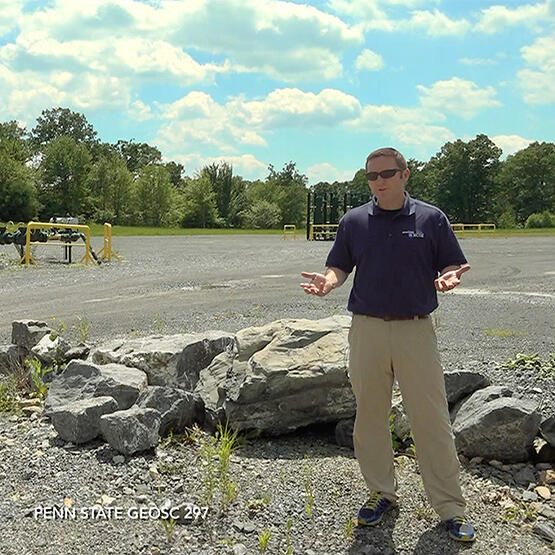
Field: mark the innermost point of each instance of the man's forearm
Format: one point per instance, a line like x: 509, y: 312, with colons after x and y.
x: 335, y: 276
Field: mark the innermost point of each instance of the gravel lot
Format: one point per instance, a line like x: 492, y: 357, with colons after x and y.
x: 194, y: 283
x: 506, y: 305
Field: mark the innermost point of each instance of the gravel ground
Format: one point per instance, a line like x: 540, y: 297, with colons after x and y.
x: 196, y: 283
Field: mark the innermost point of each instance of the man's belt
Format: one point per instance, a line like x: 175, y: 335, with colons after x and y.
x: 389, y: 318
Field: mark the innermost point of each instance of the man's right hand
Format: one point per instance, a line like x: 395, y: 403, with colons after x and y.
x: 319, y: 284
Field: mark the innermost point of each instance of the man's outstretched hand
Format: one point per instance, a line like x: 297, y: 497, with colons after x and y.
x: 318, y: 285
x: 450, y: 279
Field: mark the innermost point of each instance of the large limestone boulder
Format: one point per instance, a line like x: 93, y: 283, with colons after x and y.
x: 177, y: 408
x: 85, y: 380
x: 51, y: 350
x: 462, y: 383
x: 79, y: 421
x: 282, y: 376
x: 10, y: 358
x: 27, y: 333
x: 547, y: 430
x: 171, y: 360
x: 491, y: 425
x: 132, y: 430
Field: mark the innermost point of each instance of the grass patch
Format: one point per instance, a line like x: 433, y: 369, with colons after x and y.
x: 545, y: 369
x: 501, y: 233
x: 503, y: 333
x: 97, y: 230
x: 9, y: 396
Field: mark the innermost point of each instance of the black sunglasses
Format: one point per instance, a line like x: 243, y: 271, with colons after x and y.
x: 372, y: 176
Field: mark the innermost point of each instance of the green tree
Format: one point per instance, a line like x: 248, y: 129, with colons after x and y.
x: 359, y: 183
x: 463, y: 178
x: 421, y: 184
x: 238, y: 203
x: 263, y: 215
x: 526, y: 181
x: 220, y: 176
x: 63, y: 187
x: 18, y: 196
x: 175, y: 171
x: 110, y: 184
x: 153, y: 193
x: 62, y: 122
x: 13, y: 141
x: 138, y: 155
x: 200, y: 204
x: 292, y: 193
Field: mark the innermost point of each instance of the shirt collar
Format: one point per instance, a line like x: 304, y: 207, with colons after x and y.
x: 406, y: 210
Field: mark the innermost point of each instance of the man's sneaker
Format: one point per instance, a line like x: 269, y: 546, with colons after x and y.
x: 460, y: 529
x: 372, y: 511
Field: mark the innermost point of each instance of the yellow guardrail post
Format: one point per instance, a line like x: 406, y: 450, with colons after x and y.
x: 289, y: 230
x: 106, y: 251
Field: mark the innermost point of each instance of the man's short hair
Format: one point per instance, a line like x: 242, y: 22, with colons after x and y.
x: 388, y: 151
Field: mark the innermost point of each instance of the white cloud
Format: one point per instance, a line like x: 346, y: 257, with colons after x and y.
x: 295, y: 108
x: 246, y: 165
x: 409, y: 126
x: 478, y: 61
x: 10, y: 11
x: 539, y: 84
x: 458, y: 96
x: 437, y: 24
x: 25, y: 94
x: 139, y: 111
x: 510, y: 144
x: 197, y: 119
x: 327, y: 172
x: 369, y: 60
x: 285, y: 40
x: 496, y: 18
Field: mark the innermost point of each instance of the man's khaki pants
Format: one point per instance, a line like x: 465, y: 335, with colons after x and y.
x: 407, y: 350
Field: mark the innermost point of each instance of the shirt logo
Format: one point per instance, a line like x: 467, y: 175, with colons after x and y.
x: 413, y: 234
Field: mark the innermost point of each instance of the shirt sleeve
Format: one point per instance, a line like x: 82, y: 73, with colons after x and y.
x: 449, y: 252
x: 340, y: 254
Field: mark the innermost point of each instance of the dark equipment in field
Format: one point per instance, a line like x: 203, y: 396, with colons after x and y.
x: 325, y: 209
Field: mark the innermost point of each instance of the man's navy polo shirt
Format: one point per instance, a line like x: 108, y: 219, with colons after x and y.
x: 397, y: 254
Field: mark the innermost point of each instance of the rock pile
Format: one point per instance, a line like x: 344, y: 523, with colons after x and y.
x: 274, y: 378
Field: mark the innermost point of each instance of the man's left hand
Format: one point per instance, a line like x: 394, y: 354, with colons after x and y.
x: 450, y: 279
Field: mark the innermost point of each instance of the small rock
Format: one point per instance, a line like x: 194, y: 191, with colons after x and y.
x: 476, y: 460
x: 29, y: 403
x: 244, y: 527
x: 529, y: 496
x: 495, y: 464
x: 127, y: 491
x: 537, y: 390
x: 544, y: 530
x: 525, y: 476
x: 118, y: 459
x: 543, y: 492
x: 547, y: 476
x: 240, y: 549
x: 106, y: 500
x: 142, y: 499
x: 544, y: 466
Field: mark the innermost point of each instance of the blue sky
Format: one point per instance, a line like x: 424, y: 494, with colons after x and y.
x: 258, y: 82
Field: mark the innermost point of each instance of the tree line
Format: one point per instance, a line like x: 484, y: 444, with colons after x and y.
x: 60, y: 167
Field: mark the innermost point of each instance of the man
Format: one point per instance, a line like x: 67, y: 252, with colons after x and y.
x: 403, y: 250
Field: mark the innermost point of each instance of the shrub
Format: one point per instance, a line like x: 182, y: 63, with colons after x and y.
x: 540, y: 219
